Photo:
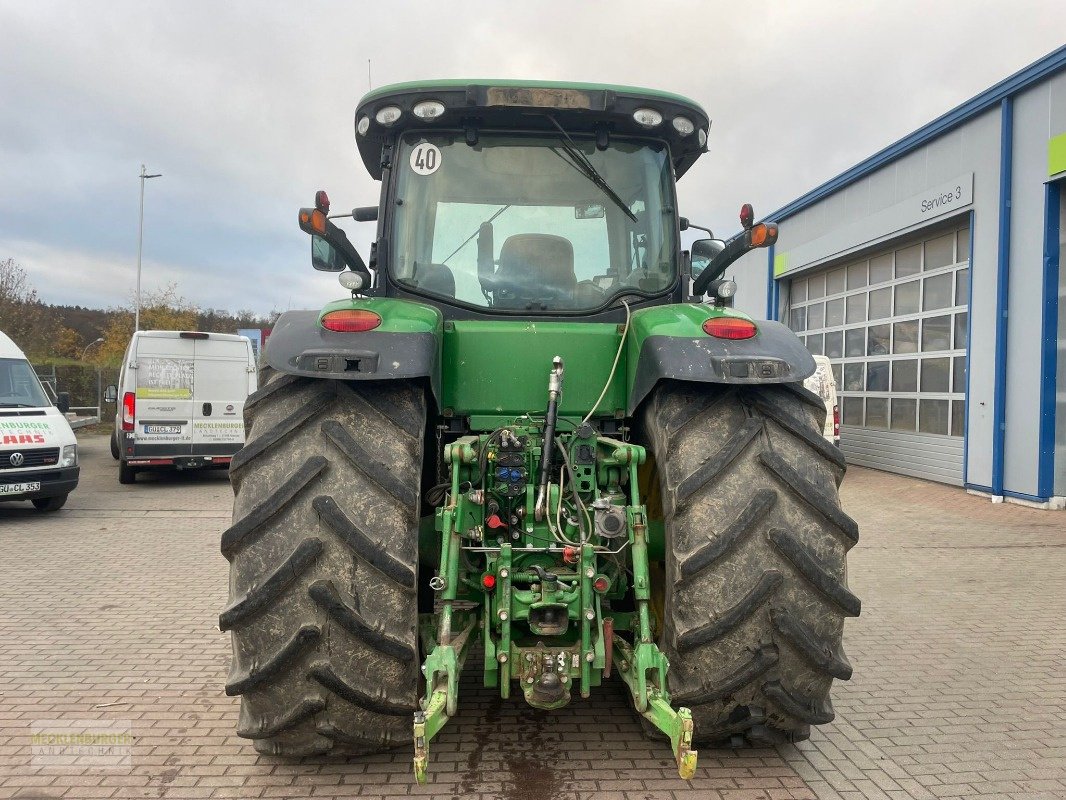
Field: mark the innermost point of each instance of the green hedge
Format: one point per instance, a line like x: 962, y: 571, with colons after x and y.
x: 80, y: 381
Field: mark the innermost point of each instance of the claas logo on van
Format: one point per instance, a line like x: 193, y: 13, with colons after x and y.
x: 23, y: 438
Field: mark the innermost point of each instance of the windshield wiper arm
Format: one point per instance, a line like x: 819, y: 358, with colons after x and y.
x: 17, y: 405
x: 582, y: 164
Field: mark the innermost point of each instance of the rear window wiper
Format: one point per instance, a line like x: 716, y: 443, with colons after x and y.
x: 582, y: 164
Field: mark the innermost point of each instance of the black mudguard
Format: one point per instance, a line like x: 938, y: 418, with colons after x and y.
x: 298, y: 345
x: 775, y: 355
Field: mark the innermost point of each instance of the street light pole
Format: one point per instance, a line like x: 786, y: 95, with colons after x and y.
x: 90, y: 344
x: 140, y: 243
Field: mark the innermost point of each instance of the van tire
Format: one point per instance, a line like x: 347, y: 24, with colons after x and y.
x: 126, y: 473
x: 46, y: 504
x: 755, y: 591
x: 323, y: 554
x: 114, y: 446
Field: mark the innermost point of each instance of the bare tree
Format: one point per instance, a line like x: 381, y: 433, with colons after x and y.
x: 22, y: 315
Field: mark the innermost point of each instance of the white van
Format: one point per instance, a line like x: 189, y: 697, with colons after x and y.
x: 38, y: 451
x: 823, y: 384
x: 180, y: 400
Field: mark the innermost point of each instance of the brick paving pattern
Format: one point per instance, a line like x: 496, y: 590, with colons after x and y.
x: 108, y: 611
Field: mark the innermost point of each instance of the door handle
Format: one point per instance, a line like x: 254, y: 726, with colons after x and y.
x: 207, y: 409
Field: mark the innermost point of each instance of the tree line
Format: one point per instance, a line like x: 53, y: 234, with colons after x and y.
x: 52, y: 332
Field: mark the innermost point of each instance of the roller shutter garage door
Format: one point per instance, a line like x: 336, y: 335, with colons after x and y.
x: 894, y: 326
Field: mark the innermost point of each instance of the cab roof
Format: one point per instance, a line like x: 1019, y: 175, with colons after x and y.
x: 8, y: 349
x: 580, y: 108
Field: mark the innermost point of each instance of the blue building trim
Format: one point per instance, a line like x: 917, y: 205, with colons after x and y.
x: 771, y: 284
x: 1045, y: 483
x: 999, y: 394
x: 969, y: 365
x: 1023, y: 496
x: 1048, y: 65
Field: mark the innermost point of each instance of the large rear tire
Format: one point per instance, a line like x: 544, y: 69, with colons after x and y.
x: 755, y: 589
x: 324, y: 568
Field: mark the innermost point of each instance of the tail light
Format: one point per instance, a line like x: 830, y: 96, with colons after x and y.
x: 129, y: 404
x: 350, y: 320
x: 836, y: 421
x: 729, y: 328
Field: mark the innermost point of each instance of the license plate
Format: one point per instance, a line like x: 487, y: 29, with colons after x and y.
x: 19, y: 488
x: 162, y: 429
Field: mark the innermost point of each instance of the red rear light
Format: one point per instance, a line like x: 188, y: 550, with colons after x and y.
x: 350, y: 320
x: 193, y: 335
x: 729, y: 328
x: 129, y: 406
x: 836, y: 421
x: 488, y: 581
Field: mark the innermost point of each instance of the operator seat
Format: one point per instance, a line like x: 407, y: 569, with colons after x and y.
x: 539, y: 260
x: 435, y: 278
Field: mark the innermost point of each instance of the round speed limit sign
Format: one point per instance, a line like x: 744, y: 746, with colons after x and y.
x: 425, y: 159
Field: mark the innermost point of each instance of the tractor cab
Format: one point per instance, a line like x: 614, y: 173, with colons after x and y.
x: 501, y: 198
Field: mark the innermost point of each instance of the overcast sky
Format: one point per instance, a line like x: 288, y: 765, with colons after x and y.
x: 247, y: 108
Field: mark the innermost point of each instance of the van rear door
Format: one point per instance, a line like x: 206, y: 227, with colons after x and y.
x: 222, y: 378
x: 164, y: 388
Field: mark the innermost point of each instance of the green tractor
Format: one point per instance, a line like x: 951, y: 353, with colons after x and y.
x: 536, y: 434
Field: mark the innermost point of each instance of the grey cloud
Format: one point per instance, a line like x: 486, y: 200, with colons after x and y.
x: 247, y: 109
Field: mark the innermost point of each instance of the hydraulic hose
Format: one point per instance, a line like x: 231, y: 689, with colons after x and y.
x: 555, y: 391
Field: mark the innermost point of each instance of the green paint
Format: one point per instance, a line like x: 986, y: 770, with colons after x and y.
x: 499, y: 369
x: 780, y: 264
x: 653, y: 702
x: 1056, y: 154
x: 397, y: 316
x: 680, y: 319
x: 441, y: 85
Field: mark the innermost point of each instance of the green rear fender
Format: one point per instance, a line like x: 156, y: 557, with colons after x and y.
x: 668, y: 343
x: 405, y: 345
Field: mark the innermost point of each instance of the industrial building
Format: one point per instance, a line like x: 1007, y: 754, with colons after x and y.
x: 929, y: 275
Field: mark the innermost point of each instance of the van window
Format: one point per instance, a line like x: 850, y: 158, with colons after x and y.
x: 19, y: 387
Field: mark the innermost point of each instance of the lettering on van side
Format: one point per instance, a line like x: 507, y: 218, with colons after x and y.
x: 23, y: 438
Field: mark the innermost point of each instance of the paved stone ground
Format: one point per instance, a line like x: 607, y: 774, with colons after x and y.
x: 108, y: 612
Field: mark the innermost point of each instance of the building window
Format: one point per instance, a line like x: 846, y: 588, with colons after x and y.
x: 894, y: 326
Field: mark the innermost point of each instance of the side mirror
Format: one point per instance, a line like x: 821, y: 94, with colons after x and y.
x: 703, y: 252
x: 330, y: 249
x: 325, y: 257
x: 111, y: 393
x: 63, y: 402
x: 762, y: 235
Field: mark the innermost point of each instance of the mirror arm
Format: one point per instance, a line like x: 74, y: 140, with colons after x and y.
x: 339, y: 239
x: 734, y: 249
